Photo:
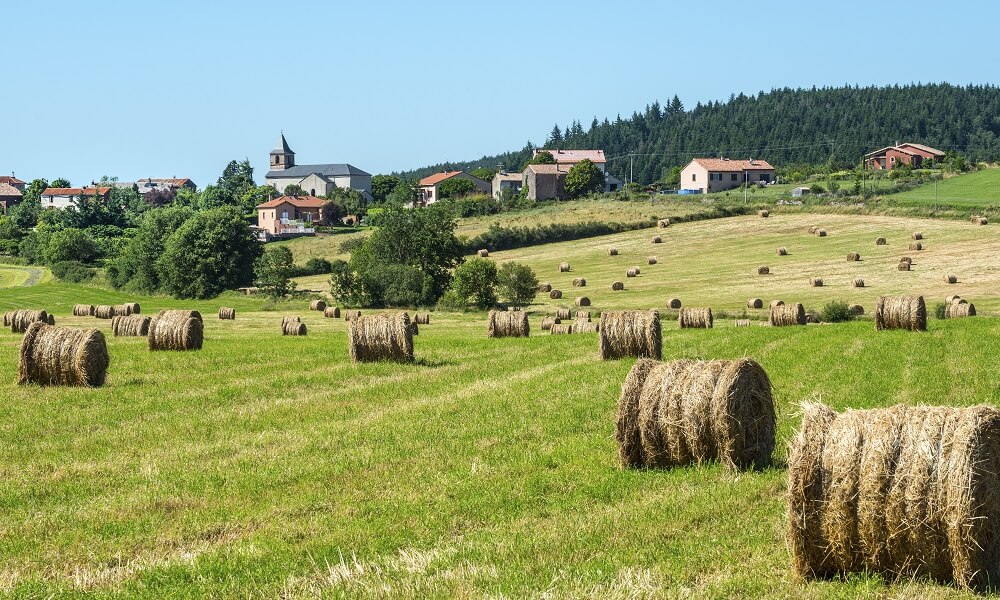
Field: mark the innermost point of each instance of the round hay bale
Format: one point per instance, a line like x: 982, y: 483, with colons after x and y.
x: 650, y: 260
x: 483, y: 253
x: 555, y: 294
x: 905, y: 259
x: 853, y: 257
x: 617, y: 286
x: 104, y: 311
x: 579, y: 282
x: 422, y: 319
x: 21, y: 319
x: 782, y: 251
x: 612, y: 251
x: 583, y: 301
x: 385, y: 337
x: 545, y: 287
x: 582, y: 315
x: 820, y: 233
x: 950, y: 278
x: 180, y: 313
x: 763, y: 214
x: 561, y: 329
x: 175, y: 330
x: 564, y: 267
x: 982, y: 221
x: 880, y: 241
x: 816, y: 281
x: 582, y: 326
x: 857, y: 310
x: 755, y: 303
x: 909, y: 491
x: 858, y: 282
x: 317, y: 305
x: 959, y: 309
x: 633, y: 272
x: 331, y: 312
x: 290, y: 327
x: 952, y: 298
x: 227, y: 313
x: 774, y: 303
x: 763, y: 270
x: 663, y: 223
x: 51, y: 320
x: 917, y: 235
x: 123, y: 310
x: 695, y: 318
x: 62, y: 356
x: 916, y: 246
x: 812, y: 229
x: 741, y: 323
x: 657, y: 239
x: 630, y: 333
x: 692, y: 412
x: 564, y: 314
x: 674, y: 303
x: 83, y: 310
x: 350, y: 315
x: 130, y: 325
x: 290, y: 319
x: 133, y: 308
x: 6, y: 318
x: 508, y: 324
x: 904, y: 265
x: 901, y: 312
x: 548, y: 322
x: 783, y: 315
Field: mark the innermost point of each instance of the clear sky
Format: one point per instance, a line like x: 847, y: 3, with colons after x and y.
x: 137, y: 88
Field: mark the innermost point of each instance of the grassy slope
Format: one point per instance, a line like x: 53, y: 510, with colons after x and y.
x: 978, y: 189
x: 16, y: 276
x: 272, y: 465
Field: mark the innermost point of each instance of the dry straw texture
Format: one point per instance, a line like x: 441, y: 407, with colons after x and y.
x: 950, y: 278
x: 561, y: 329
x: 742, y: 323
x: 858, y: 282
x: 782, y: 251
x: 545, y: 287
x: 422, y: 319
x: 508, y: 324
x: 657, y: 239
x: 585, y: 327
x: 916, y: 246
x: 583, y: 301
x: 982, y: 221
x: 853, y: 257
x: 786, y: 314
x: 564, y: 267
x: 650, y: 260
x: 904, y: 265
x: 776, y: 303
x: 6, y: 318
x: 905, y: 259
x: 957, y: 310
x: 763, y: 213
x: 907, y: 491
x: 952, y: 298
x: 123, y: 310
x: 755, y: 303
x: 617, y: 286
x: 917, y: 235
x: 317, y: 305
x: 175, y: 330
x: 484, y: 253
x: 384, y: 337
x: 674, y: 303
x: 132, y: 325
x: 901, y: 312
x: 763, y: 270
x: 104, y: 311
x: 692, y: 412
x: 857, y: 310
x: 630, y: 333
x: 695, y: 318
x: 612, y: 251
x: 555, y: 294
x: 564, y: 314
x: 880, y: 241
x: 134, y: 308
x: 582, y: 315
x: 289, y: 327
x: 83, y: 310
x: 61, y: 356
x: 227, y: 313
x: 820, y: 233
x: 633, y: 272
x: 350, y: 315
x: 816, y: 281
x: 331, y: 312
x: 548, y: 322
x: 20, y: 320
x: 662, y: 223
x: 579, y: 282
x: 51, y: 320
x: 812, y: 229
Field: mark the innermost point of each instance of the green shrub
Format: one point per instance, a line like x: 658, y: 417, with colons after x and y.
x: 476, y: 282
x: 317, y: 266
x: 452, y: 301
x: 73, y: 271
x: 348, y: 246
x: 837, y: 311
x: 939, y: 310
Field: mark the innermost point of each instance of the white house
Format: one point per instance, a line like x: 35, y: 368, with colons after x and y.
x: 429, y: 193
x: 68, y: 197
x: 315, y: 180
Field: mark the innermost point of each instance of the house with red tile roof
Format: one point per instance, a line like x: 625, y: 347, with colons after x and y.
x: 291, y: 216
x: 902, y: 154
x: 69, y: 197
x: 707, y: 175
x: 9, y: 196
x: 429, y: 193
x: 546, y: 182
x: 13, y: 181
x: 569, y: 158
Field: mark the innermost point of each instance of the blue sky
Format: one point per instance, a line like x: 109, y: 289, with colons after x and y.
x: 160, y: 89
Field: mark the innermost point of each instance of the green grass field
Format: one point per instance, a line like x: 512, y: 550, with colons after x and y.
x: 267, y: 466
x: 16, y: 276
x: 980, y: 189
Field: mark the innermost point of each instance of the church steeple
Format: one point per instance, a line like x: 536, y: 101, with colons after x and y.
x: 282, y: 156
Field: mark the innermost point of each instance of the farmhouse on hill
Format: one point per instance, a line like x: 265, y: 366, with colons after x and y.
x: 290, y: 216
x: 429, y: 192
x: 569, y: 158
x: 707, y: 175
x: 13, y: 181
x: 546, y: 182
x: 901, y: 154
x: 504, y: 181
x: 9, y: 196
x: 69, y: 197
x: 316, y: 180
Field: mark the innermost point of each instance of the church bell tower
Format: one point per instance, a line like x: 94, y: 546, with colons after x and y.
x: 282, y: 156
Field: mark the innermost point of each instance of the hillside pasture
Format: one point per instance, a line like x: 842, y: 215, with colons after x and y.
x: 979, y: 189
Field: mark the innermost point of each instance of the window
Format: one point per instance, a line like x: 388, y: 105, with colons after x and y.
x: 694, y: 177
x: 732, y: 177
x: 765, y: 177
x: 715, y: 176
x: 312, y: 192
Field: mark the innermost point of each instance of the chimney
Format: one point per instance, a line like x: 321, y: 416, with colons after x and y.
x: 897, y: 143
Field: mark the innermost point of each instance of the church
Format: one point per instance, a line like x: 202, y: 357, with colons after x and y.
x: 315, y: 180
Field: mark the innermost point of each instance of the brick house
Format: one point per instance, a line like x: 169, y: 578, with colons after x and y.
x: 290, y: 216
x: 429, y: 193
x: 69, y: 197
x: 707, y: 175
x: 546, y: 182
x: 907, y: 154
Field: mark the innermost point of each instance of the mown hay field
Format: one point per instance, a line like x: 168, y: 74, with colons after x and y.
x: 268, y: 466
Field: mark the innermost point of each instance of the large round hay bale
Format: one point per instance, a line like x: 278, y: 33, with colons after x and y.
x: 561, y: 329
x: 582, y: 326
x: 177, y: 313
x: 564, y: 267
x: 227, y: 313
x: 909, y: 491
x: 782, y: 251
x: 856, y: 309
x: 959, y: 309
x: 881, y: 241
x: 545, y: 287
x: 774, y: 303
x: 331, y: 312
x: 317, y: 305
x: 133, y: 308
x: 104, y: 311
x: 131, y: 325
x: 508, y: 324
x: 564, y: 314
x: 548, y: 322
x: 952, y: 298
x: 62, y: 356
x: 483, y: 253
x: 820, y: 233
x: 290, y: 327
x: 691, y: 412
x: 858, y: 282
x: 905, y: 259
x: 657, y: 239
x: 123, y: 310
x: 6, y: 318
x: 853, y: 257
x: 755, y: 303
x: 630, y: 333
x: 582, y: 315
x: 83, y: 310
x: 422, y: 319
x: 674, y: 303
x: 555, y: 294
x: 612, y: 251
x: 763, y: 270
x: 816, y: 281
x: 763, y: 214
x: 633, y: 272
x: 350, y: 315
x: 663, y: 223
x: 21, y: 319
x: 175, y: 330
x: 917, y: 235
x: 916, y: 246
x: 617, y: 286
x: 904, y: 265
x: 583, y: 301
x: 695, y: 318
x: 290, y: 319
x: 579, y: 282
x: 951, y: 278
x: 982, y: 221
x: 782, y: 315
x: 901, y: 312
x: 650, y: 260
x: 384, y: 337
